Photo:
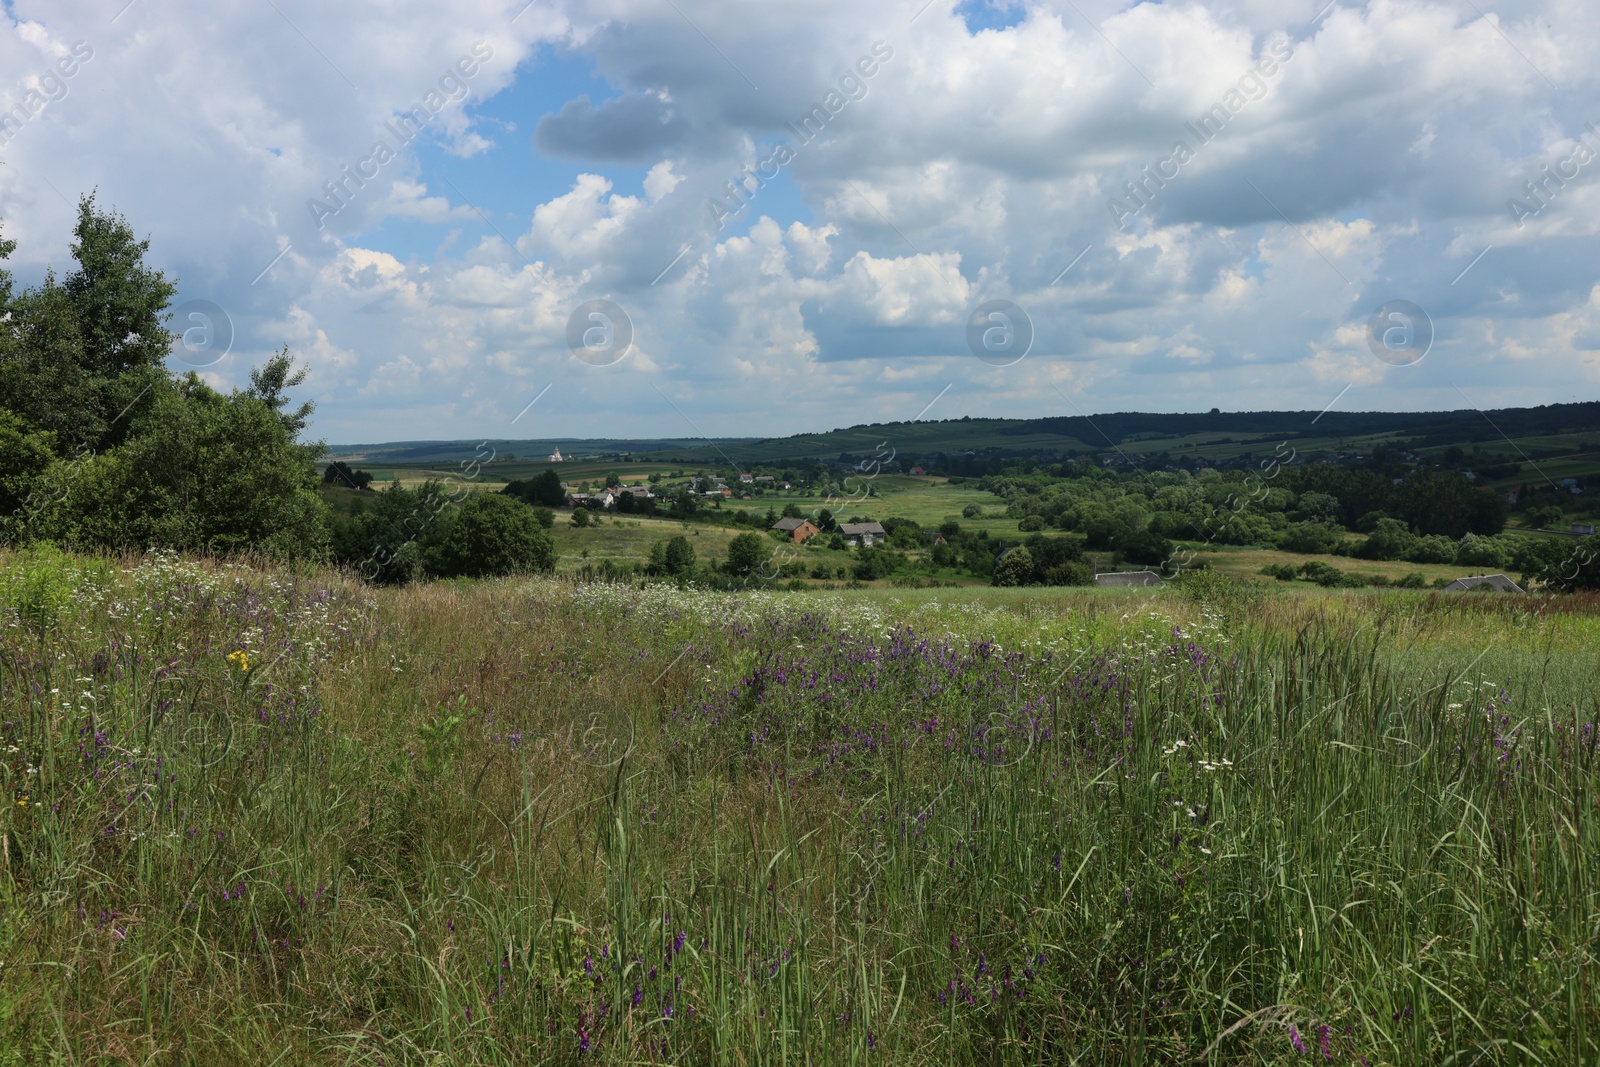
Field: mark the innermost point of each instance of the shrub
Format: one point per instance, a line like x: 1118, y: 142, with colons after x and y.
x: 1283, y: 572
x: 581, y: 517
x: 972, y: 511
x: 1031, y: 524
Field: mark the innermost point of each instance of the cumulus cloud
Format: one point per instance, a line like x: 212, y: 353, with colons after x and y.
x: 1333, y: 159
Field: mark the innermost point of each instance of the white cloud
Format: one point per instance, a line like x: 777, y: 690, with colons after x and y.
x: 1373, y: 164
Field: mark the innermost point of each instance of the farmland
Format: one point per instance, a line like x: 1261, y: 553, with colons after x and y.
x: 260, y: 814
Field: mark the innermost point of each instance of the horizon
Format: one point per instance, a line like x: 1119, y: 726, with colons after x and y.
x: 716, y: 221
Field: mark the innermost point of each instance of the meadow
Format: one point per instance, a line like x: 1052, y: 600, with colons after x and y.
x: 264, y: 815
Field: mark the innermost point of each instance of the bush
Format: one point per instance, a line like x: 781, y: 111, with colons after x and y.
x: 1031, y: 524
x: 545, y: 517
x: 1283, y: 572
x: 1414, y: 580
x: 581, y: 517
x: 491, y: 535
x: 972, y: 511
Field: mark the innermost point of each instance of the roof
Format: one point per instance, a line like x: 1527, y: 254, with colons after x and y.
x: 790, y: 525
x: 1128, y: 578
x: 856, y: 529
x: 1494, y: 581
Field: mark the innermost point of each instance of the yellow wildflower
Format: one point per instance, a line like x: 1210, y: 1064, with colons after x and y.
x: 240, y: 659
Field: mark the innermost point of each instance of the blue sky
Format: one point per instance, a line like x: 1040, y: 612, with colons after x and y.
x: 963, y: 157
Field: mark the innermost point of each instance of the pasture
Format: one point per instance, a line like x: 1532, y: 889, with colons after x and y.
x: 258, y: 815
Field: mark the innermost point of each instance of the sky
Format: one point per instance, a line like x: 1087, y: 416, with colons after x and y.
x: 681, y: 218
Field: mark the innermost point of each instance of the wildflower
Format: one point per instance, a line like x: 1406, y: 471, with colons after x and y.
x: 240, y: 659
x: 1294, y: 1039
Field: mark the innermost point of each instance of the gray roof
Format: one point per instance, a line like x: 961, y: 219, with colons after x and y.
x: 1128, y: 578
x: 856, y: 529
x: 1495, y: 581
x: 789, y: 525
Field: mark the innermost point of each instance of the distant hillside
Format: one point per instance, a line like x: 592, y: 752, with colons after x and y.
x: 1511, y: 434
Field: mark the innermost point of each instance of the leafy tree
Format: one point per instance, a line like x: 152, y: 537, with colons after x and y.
x: 270, y: 383
x: 747, y: 552
x: 679, y: 556
x: 24, y: 456
x: 1476, y: 551
x: 489, y: 535
x: 1031, y: 524
x: 201, y: 471
x: 581, y: 517
x: 972, y: 511
x: 339, y: 473
x: 544, y: 490
x: 544, y: 517
x: 1015, y: 568
x: 1310, y: 537
x: 792, y: 511
x: 1390, y: 539
x: 1146, y: 547
x: 1318, y: 507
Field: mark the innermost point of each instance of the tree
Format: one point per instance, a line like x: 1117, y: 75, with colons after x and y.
x: 270, y: 382
x: 24, y: 456
x: 581, y: 517
x: 679, y: 557
x: 791, y: 511
x: 544, y: 490
x: 119, y: 303
x: 1015, y: 568
x: 972, y: 511
x: 339, y: 473
x: 201, y: 471
x: 489, y: 535
x: 747, y: 552
x: 1390, y: 539
x: 1146, y: 547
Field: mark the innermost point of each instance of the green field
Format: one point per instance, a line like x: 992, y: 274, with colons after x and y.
x: 267, y: 816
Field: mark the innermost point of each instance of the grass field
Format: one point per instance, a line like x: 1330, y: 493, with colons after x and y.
x: 260, y: 816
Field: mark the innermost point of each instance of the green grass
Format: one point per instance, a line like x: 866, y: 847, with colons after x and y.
x: 255, y: 815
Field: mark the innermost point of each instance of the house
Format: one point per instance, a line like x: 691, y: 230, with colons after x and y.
x: 1583, y: 529
x: 1140, y: 578
x: 765, y: 478
x: 747, y: 478
x: 799, y: 530
x: 1498, y: 582
x: 862, y: 533
x: 934, y: 537
x: 918, y: 470
x: 604, y: 499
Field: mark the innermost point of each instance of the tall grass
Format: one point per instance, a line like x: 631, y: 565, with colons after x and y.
x: 258, y: 817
